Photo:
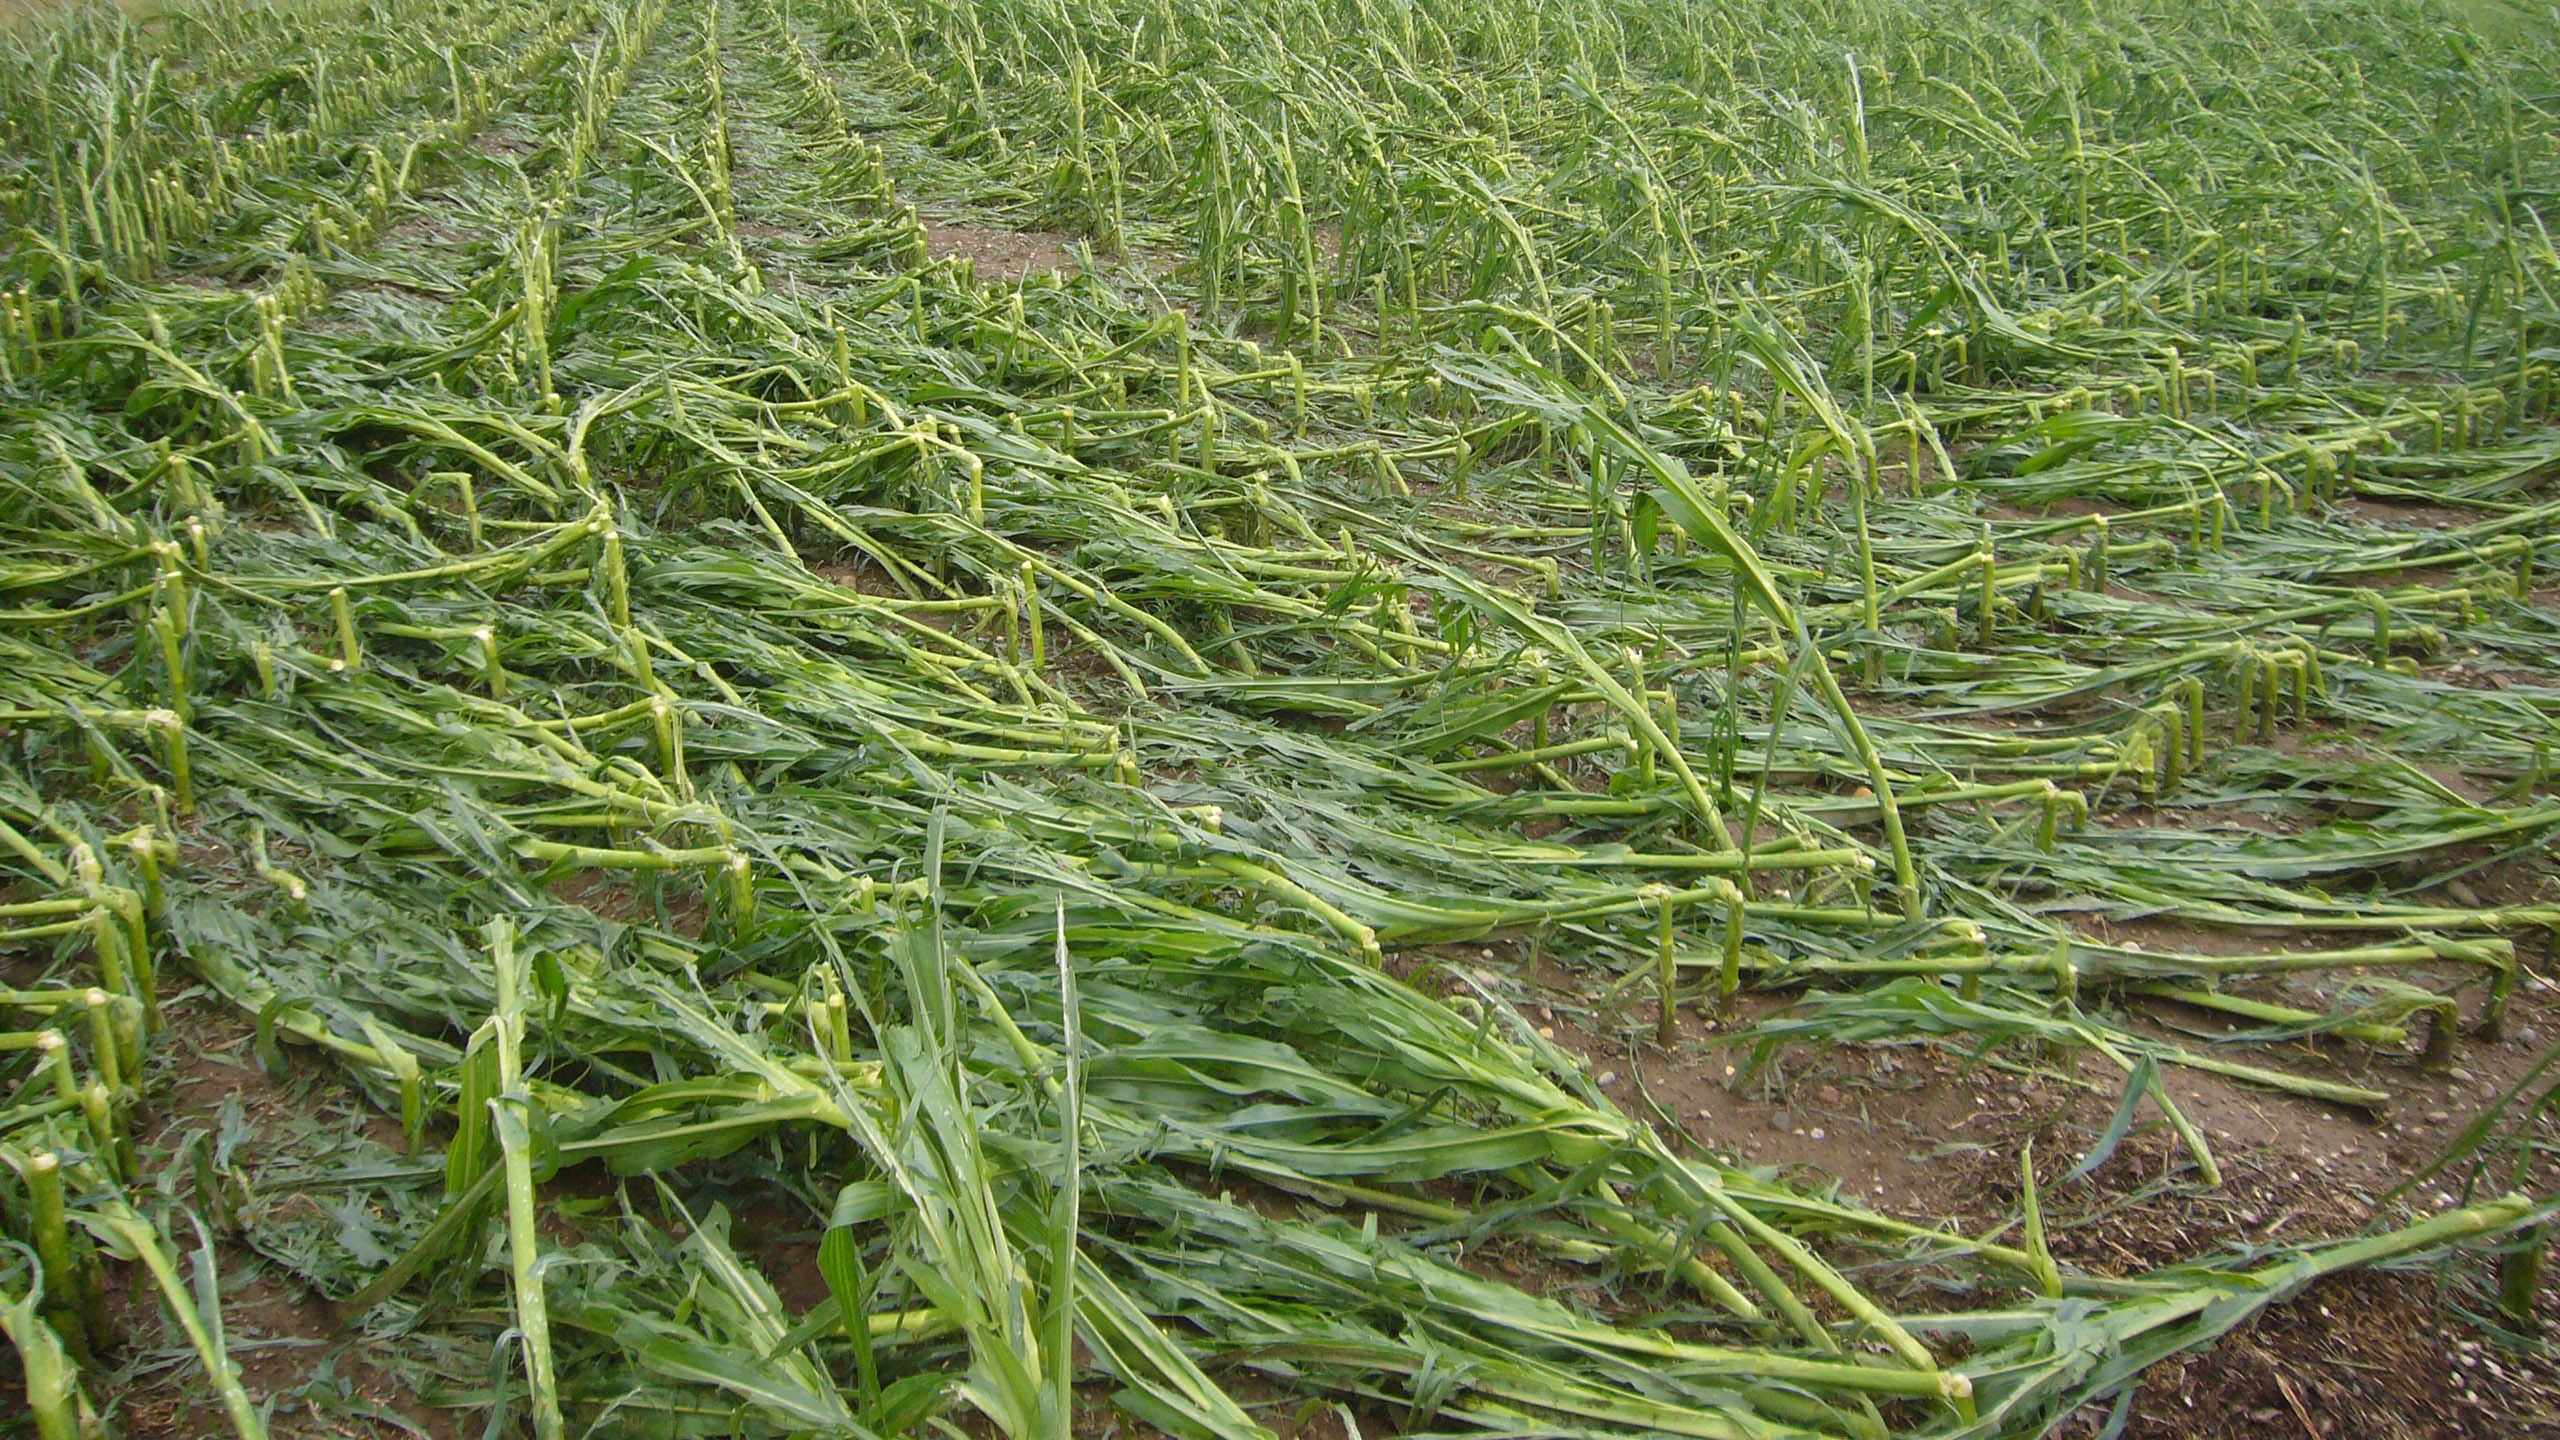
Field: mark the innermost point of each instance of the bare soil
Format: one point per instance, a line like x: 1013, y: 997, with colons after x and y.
x: 1931, y: 1134
x: 1007, y: 256
x: 318, y: 1378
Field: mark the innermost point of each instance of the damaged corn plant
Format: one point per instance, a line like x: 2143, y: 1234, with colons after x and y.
x: 552, y: 566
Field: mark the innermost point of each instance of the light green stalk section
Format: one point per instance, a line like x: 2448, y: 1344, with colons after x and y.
x: 509, y: 1111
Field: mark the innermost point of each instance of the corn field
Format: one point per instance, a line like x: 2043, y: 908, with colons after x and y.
x: 537, y: 577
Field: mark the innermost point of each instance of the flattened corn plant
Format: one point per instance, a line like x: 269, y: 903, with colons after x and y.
x: 531, y: 575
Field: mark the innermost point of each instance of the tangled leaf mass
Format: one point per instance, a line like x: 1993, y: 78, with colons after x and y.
x: 522, y: 569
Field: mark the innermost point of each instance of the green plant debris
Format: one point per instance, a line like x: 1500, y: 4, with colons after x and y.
x: 536, y: 568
